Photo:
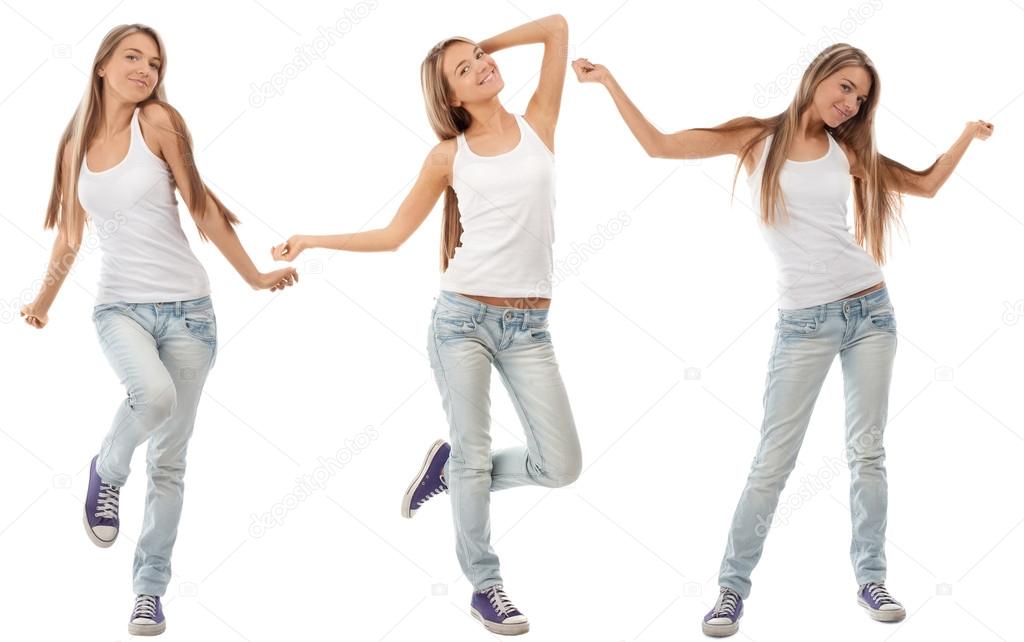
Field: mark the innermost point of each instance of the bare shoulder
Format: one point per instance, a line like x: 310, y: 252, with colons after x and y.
x: 851, y: 158
x: 440, y: 160
x: 159, y: 123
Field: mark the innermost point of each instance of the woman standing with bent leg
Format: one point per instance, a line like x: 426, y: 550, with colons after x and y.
x: 496, y: 170
x: 120, y: 160
x: 833, y: 299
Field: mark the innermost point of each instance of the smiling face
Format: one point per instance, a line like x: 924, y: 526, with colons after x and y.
x: 472, y: 74
x: 133, y: 69
x: 840, y: 96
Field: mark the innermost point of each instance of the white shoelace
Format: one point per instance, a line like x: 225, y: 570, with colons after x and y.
x: 880, y: 594
x: 441, y: 488
x: 106, y: 506
x: 726, y: 605
x: 145, y: 606
x: 499, y: 600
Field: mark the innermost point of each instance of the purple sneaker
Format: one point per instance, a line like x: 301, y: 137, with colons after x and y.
x: 724, y: 619
x: 496, y: 612
x: 429, y: 481
x: 880, y: 605
x: 147, y: 616
x: 101, y: 521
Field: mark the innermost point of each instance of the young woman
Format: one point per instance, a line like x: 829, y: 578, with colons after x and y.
x: 832, y: 295
x: 496, y: 170
x: 119, y: 161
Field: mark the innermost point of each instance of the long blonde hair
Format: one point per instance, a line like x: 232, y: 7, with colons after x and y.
x: 64, y: 211
x: 876, y: 201
x: 447, y: 122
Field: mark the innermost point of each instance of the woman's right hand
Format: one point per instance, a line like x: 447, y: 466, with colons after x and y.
x: 35, y: 315
x: 587, y: 71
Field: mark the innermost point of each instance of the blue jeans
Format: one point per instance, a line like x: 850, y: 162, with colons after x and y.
x: 862, y: 331
x: 466, y: 337
x: 162, y: 353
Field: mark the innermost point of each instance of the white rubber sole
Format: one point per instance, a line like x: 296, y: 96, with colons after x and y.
x: 721, y: 630
x: 501, y: 629
x: 92, y: 536
x: 147, y: 629
x: 882, y: 616
x: 407, y: 499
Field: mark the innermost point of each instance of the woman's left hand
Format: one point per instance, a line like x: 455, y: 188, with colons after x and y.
x: 276, y: 280
x: 980, y: 129
x: 288, y: 250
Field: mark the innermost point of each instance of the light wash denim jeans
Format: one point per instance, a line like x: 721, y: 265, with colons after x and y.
x: 466, y: 337
x: 862, y: 331
x: 162, y: 353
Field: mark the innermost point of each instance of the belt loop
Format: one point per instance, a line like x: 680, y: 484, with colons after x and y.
x: 177, y: 308
x: 526, y: 319
x: 864, y: 306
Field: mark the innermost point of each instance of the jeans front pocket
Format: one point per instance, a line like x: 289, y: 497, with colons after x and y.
x: 538, y: 332
x: 883, y: 316
x: 201, y: 324
x: 449, y: 324
x: 797, y: 323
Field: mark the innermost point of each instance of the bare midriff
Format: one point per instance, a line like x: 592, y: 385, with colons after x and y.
x: 524, y: 303
x: 877, y: 286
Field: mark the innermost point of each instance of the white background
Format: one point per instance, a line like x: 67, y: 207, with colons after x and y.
x: 631, y: 550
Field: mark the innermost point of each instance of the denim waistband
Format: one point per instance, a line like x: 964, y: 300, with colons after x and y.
x: 862, y: 303
x: 481, y: 311
x: 175, y: 307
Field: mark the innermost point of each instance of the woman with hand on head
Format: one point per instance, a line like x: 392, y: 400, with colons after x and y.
x: 496, y: 171
x: 832, y: 295
x: 119, y: 161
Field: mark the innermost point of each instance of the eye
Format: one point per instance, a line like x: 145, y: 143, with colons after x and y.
x: 132, y: 57
x: 154, y: 66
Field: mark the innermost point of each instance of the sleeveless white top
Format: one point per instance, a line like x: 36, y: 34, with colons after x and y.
x: 818, y: 259
x: 507, y: 204
x: 146, y: 257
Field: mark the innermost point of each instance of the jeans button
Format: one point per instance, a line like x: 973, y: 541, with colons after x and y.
x: 508, y: 316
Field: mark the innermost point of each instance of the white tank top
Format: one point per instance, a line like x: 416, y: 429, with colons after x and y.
x: 146, y: 257
x: 507, y: 204
x: 818, y: 259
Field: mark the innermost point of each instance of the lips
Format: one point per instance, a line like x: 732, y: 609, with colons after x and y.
x: 140, y: 83
x: 489, y: 77
x: 842, y: 114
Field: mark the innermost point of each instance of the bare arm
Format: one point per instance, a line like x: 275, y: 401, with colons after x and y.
x: 432, y: 180
x: 685, y: 144
x: 212, y: 223
x: 62, y: 257
x: 927, y: 183
x: 553, y: 32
